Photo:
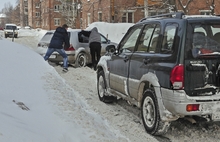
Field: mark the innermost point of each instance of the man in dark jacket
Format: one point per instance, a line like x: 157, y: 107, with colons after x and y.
x: 59, y: 38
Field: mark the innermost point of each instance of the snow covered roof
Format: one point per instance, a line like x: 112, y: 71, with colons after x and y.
x: 199, y: 16
x: 2, y: 15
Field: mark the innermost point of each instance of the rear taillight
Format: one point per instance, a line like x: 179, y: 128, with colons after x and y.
x: 177, y: 77
x: 192, y: 107
x: 44, y: 45
x: 70, y: 49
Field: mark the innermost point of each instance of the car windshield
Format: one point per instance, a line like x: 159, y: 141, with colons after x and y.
x: 11, y: 27
x: 203, y: 39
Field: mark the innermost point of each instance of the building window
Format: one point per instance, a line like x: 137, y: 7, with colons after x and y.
x: 37, y: 14
x: 205, y: 12
x: 88, y: 18
x: 123, y: 20
x: 56, y: 7
x: 128, y: 17
x: 100, y: 16
x: 57, y: 21
x: 26, y: 10
x: 37, y: 24
x: 47, y: 21
x: 37, y: 5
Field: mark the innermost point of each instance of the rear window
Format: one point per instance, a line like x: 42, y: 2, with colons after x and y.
x: 47, y: 36
x: 203, y: 39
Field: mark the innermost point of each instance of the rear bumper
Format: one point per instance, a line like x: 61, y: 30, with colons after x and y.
x: 59, y: 58
x: 176, y: 102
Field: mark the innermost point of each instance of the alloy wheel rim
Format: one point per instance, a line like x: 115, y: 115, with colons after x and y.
x: 101, y: 87
x: 81, y: 60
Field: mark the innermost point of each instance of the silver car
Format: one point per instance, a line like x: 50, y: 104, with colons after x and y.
x: 79, y: 55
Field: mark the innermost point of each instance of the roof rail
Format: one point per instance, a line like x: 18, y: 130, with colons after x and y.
x: 177, y: 15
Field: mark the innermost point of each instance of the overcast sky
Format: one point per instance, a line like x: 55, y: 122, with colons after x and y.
x: 3, y: 2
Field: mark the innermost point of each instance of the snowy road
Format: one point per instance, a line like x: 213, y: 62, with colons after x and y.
x: 124, y: 118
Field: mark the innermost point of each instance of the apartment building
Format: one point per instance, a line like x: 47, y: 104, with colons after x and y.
x: 34, y: 13
x: 45, y: 14
x: 49, y: 14
x: 23, y: 13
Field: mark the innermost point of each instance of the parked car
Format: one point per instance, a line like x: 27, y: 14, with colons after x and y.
x: 27, y: 27
x: 18, y: 27
x: 168, y: 66
x: 79, y: 55
x: 11, y: 30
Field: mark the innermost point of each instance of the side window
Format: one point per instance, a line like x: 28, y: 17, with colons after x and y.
x: 103, y: 39
x: 144, y: 41
x: 154, y: 40
x: 199, y: 29
x: 129, y: 41
x: 168, y: 38
x: 82, y: 38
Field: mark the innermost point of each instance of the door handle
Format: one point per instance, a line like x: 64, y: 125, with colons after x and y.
x: 125, y: 58
x: 146, y: 60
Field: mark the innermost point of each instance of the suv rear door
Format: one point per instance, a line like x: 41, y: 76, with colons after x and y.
x: 202, y: 64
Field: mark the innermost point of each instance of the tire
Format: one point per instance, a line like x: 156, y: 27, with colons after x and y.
x: 6, y: 36
x: 16, y: 36
x: 151, y: 116
x: 101, y: 87
x: 81, y: 60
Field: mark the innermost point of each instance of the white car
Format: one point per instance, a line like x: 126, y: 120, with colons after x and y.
x: 11, y: 30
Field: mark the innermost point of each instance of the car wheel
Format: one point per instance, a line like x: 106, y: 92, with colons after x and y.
x: 81, y: 60
x: 6, y: 36
x: 151, y: 116
x: 101, y: 85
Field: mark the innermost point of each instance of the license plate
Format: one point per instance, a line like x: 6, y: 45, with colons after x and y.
x: 216, y: 116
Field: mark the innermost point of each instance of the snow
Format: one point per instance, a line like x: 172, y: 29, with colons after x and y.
x: 25, y: 78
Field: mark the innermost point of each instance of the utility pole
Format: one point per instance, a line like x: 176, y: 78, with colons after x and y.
x: 146, y: 8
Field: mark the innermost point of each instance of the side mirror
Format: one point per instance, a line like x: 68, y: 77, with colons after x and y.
x: 110, y: 48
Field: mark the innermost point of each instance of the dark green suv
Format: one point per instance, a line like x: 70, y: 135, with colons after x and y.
x: 168, y: 66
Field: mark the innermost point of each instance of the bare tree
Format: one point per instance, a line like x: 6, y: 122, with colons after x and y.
x: 7, y: 10
x: 184, y: 7
x: 212, y: 6
x: 15, y: 15
x: 123, y: 5
x: 70, y: 11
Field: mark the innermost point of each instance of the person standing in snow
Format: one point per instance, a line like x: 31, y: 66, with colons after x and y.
x: 59, y: 38
x: 94, y: 45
